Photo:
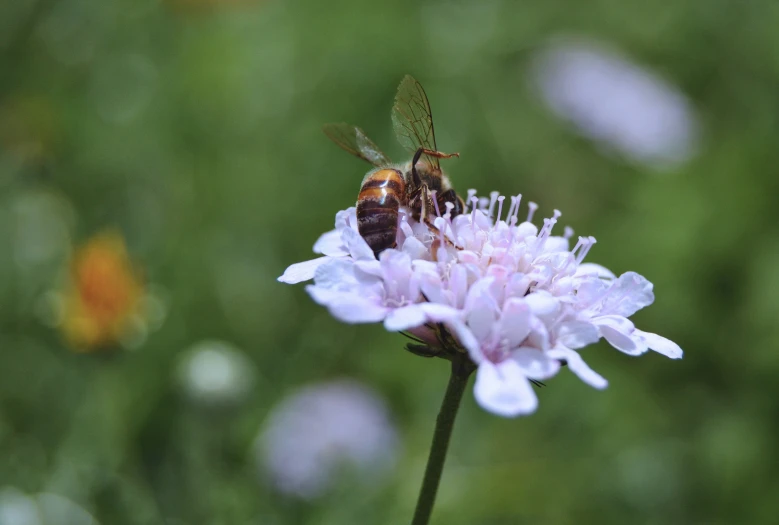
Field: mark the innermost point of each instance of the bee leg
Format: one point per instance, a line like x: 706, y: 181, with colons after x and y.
x: 437, y: 154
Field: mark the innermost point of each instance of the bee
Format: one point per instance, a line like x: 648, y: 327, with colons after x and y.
x: 411, y: 185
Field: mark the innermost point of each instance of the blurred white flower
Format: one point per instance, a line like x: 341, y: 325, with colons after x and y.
x: 617, y: 102
x: 216, y: 373
x: 17, y: 508
x: 517, y: 298
x: 323, y: 430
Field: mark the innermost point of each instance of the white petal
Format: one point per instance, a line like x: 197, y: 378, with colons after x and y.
x: 481, y: 309
x: 331, y: 244
x: 539, y: 335
x: 660, y: 344
x: 577, y: 334
x: 517, y: 285
x: 458, y: 284
x: 556, y: 244
x: 479, y: 293
x: 535, y: 364
x: 357, y: 246
x: 543, y: 305
x: 302, y: 271
x: 324, y: 296
x: 589, y: 290
x: 345, y: 218
x: 370, y: 267
x: 628, y: 294
x: 336, y: 274
x: 619, y: 332
x: 526, y: 229
x: 515, y: 321
x: 404, y: 318
x: 481, y: 318
x: 440, y: 313
x: 593, y: 269
x: 504, y: 390
x: 579, y: 367
x: 467, y: 340
x: 348, y: 307
x: 430, y: 284
x: 415, y: 249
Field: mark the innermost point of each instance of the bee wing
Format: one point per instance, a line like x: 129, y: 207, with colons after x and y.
x: 412, y: 118
x: 355, y: 141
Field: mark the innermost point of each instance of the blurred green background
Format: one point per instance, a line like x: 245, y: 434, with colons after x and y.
x: 193, y: 128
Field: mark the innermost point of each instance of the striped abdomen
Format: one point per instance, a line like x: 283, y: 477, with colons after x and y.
x: 377, y: 208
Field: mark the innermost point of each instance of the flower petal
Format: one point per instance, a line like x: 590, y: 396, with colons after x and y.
x: 579, y: 367
x: 535, y: 364
x: 331, y: 244
x: 543, y: 305
x: 404, y: 318
x: 596, y: 270
x: 619, y: 332
x: 577, y: 334
x: 415, y: 249
x: 357, y: 246
x: 348, y: 307
x: 302, y: 271
x: 556, y: 244
x: 337, y: 274
x: 515, y: 321
x: 440, y: 313
x: 660, y: 344
x: 467, y: 340
x: 504, y: 390
x: 628, y: 294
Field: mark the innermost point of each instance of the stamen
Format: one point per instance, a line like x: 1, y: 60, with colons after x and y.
x: 578, y: 245
x: 483, y: 203
x: 493, y: 200
x: 449, y: 207
x: 585, y: 249
x: 500, y: 207
x: 514, y: 218
x: 469, y: 198
x: 533, y: 207
x: 448, y: 216
x: 568, y: 232
x: 435, y: 203
x: 546, y: 231
x: 586, y: 243
x: 511, y: 209
x: 474, y: 201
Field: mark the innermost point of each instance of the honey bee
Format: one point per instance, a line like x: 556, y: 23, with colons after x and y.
x: 412, y: 184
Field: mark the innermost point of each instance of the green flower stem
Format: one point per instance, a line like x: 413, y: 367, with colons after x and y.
x: 462, y: 367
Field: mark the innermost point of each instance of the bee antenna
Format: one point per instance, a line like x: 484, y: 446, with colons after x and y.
x: 414, y: 161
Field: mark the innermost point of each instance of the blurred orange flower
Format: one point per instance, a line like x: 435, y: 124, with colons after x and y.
x: 103, y: 299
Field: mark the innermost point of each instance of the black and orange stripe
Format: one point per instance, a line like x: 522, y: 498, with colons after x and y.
x: 377, y: 208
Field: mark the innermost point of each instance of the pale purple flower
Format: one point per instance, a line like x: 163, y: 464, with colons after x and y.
x: 320, y: 430
x: 617, y: 102
x: 512, y: 295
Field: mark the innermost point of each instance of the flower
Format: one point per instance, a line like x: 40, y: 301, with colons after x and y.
x: 517, y: 299
x: 617, y: 102
x: 315, y: 432
x: 103, y: 302
x: 214, y: 373
x: 42, y: 508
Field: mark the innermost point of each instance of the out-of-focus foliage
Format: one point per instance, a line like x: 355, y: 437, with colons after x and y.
x: 193, y: 128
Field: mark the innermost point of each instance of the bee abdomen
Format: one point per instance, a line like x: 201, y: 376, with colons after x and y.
x: 377, y: 208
